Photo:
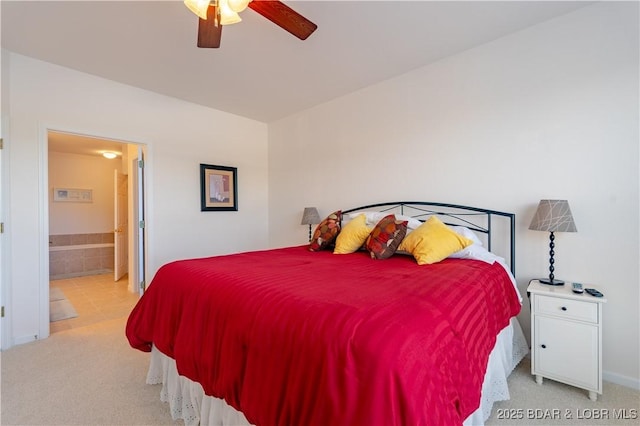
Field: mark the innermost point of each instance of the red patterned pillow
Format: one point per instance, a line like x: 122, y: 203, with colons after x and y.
x: 385, y: 238
x: 326, y: 231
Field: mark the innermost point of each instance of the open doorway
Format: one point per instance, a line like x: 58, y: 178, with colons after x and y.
x: 96, y: 234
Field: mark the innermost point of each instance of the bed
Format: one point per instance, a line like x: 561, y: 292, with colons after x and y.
x: 305, y: 336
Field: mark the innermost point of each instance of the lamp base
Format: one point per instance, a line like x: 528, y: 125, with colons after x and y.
x: 550, y: 282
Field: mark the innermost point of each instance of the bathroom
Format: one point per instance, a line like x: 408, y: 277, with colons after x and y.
x: 88, y: 192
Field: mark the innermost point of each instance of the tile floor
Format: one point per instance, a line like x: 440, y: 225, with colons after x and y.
x: 96, y: 298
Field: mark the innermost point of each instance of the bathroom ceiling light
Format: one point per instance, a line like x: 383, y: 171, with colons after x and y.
x: 109, y: 155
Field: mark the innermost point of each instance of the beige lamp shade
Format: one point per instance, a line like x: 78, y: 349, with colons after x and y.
x: 553, y: 216
x: 310, y: 216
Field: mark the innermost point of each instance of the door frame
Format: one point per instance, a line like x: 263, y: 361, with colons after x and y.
x: 43, y: 213
x: 5, y: 289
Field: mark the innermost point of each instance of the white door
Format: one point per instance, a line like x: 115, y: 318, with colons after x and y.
x: 120, y: 222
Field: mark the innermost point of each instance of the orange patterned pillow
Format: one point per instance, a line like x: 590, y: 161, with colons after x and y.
x: 326, y: 231
x: 385, y: 238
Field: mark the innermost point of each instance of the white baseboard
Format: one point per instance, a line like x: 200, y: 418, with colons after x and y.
x: 619, y: 379
x: 24, y: 339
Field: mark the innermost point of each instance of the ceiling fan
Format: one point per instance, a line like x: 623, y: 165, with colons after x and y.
x: 214, y: 14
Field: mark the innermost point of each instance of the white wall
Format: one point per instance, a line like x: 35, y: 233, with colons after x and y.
x: 549, y: 112
x: 178, y: 137
x: 83, y: 172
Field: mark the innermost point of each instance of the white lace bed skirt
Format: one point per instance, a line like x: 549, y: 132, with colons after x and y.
x: 187, y: 400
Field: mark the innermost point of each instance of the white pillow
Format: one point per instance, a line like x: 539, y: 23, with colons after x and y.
x: 467, y: 233
x: 476, y: 252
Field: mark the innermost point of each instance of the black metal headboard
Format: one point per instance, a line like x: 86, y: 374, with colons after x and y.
x: 474, y: 218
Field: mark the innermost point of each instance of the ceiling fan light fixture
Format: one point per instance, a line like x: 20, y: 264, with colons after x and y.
x: 199, y: 7
x: 227, y: 15
x: 221, y: 12
x: 238, y: 5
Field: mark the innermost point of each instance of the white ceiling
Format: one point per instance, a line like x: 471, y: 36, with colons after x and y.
x: 260, y: 71
x: 82, y: 145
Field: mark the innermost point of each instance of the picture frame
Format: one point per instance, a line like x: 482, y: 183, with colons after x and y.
x: 72, y: 195
x: 218, y: 188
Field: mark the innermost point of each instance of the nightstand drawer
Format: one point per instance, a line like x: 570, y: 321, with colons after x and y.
x: 566, y: 308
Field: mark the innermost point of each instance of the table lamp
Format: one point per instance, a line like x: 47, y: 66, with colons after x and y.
x: 553, y: 216
x: 310, y: 217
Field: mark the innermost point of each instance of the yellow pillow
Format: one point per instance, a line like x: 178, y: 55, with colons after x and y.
x: 352, y: 236
x: 433, y: 241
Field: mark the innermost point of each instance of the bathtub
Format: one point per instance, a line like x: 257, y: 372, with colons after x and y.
x: 80, y: 246
x: 74, y: 260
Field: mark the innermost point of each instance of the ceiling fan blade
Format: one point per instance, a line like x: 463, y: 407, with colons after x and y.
x: 209, y: 34
x: 285, y: 17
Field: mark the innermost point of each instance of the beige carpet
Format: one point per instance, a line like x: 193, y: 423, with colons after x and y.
x: 90, y: 376
x: 554, y: 403
x: 84, y: 376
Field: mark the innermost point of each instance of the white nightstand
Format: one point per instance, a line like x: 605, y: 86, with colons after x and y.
x: 566, y: 336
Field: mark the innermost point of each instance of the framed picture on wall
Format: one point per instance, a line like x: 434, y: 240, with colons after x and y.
x: 72, y: 195
x: 218, y: 188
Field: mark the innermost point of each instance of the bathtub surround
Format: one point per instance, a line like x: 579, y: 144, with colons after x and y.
x: 74, y: 255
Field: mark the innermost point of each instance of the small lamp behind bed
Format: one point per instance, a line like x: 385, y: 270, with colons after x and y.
x: 310, y: 217
x: 553, y: 216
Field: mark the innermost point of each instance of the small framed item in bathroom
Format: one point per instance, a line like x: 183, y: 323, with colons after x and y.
x: 73, y: 195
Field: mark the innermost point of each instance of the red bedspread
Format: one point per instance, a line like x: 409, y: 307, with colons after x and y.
x: 293, y: 337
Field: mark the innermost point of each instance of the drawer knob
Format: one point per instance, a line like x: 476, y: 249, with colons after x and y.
x: 544, y: 346
x: 564, y: 308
